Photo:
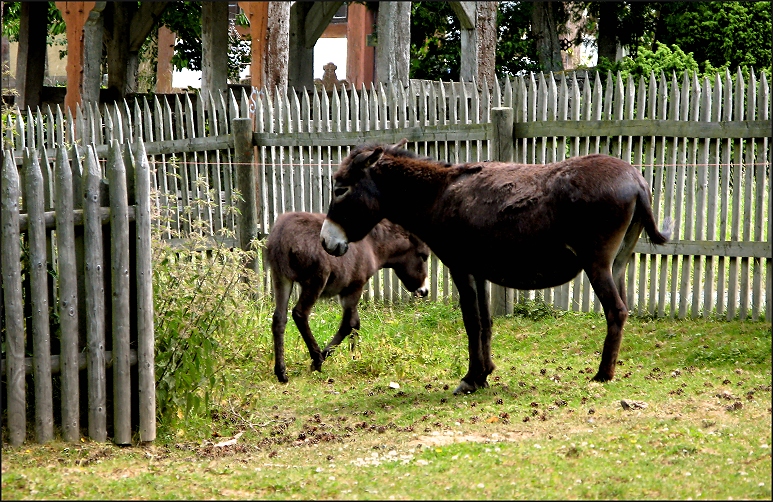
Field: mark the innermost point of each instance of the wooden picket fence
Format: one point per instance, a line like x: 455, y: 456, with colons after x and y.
x: 703, y: 145
x: 86, y: 246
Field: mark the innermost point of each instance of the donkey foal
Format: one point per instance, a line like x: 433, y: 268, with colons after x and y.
x: 295, y: 255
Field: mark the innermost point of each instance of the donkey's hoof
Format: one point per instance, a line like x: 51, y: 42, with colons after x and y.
x: 316, y: 366
x: 465, y: 388
x: 282, y: 377
x: 482, y: 384
x: 602, y: 377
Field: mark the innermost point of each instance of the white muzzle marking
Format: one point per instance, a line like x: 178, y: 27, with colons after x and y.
x: 424, y: 289
x: 333, y: 238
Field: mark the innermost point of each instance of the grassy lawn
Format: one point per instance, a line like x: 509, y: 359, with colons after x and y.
x: 381, y: 422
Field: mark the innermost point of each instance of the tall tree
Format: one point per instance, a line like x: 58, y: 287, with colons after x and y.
x: 545, y: 25
x: 728, y: 34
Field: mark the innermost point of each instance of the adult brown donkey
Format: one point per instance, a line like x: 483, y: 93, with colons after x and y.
x: 295, y: 255
x: 520, y: 226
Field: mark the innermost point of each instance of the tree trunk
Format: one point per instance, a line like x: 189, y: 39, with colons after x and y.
x: 278, y: 46
x: 486, y: 28
x: 607, y: 31
x: 545, y: 32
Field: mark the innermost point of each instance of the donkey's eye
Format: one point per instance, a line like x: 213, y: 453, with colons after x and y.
x: 340, y: 191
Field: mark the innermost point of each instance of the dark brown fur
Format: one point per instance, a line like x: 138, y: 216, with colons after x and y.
x: 520, y: 226
x: 295, y: 255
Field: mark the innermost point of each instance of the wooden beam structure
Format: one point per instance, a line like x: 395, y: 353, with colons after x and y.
x: 360, y: 57
x: 214, y: 47
x: 394, y: 41
x: 478, y: 36
x: 31, y: 57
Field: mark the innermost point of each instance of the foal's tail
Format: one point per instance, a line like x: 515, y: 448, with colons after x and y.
x: 648, y: 220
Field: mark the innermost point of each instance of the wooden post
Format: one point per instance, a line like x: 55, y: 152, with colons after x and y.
x: 246, y: 183
x: 68, y: 297
x: 164, y: 72
x: 257, y: 13
x: 93, y: 39
x: 145, y: 330
x: 214, y: 48
x: 31, y: 56
x: 12, y: 298
x: 75, y: 15
x: 394, y: 41
x: 359, y: 56
x: 502, y: 151
x: 41, y: 336
x: 95, y: 299
x: 119, y: 269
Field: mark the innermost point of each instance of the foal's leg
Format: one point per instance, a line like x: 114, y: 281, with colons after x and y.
x: 485, y: 332
x: 309, y: 295
x: 282, y: 288
x: 468, y: 301
x: 350, y: 320
x: 616, y: 313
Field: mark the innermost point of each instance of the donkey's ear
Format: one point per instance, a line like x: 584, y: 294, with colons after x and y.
x: 367, y: 158
x: 375, y: 156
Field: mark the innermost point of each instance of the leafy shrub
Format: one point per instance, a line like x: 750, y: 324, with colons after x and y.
x: 199, y: 295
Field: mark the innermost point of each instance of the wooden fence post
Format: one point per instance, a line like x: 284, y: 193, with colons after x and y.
x: 41, y: 335
x: 14, y: 308
x: 68, y: 297
x: 119, y: 269
x: 502, y: 151
x: 95, y: 298
x: 246, y: 183
x: 145, y: 330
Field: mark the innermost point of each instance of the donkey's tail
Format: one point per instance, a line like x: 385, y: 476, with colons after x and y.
x: 648, y: 220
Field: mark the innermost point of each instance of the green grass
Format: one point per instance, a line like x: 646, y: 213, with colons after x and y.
x: 541, y: 431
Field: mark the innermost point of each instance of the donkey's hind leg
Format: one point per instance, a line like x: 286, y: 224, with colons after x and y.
x: 616, y: 313
x: 350, y: 320
x: 310, y: 292
x: 282, y: 288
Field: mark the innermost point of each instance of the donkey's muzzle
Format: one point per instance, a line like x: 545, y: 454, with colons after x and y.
x: 423, y: 291
x: 333, y: 238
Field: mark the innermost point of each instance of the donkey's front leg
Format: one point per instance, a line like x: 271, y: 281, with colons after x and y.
x: 350, y: 320
x: 488, y: 365
x: 468, y: 301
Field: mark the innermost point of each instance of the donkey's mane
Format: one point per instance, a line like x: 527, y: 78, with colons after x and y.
x: 399, y: 152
